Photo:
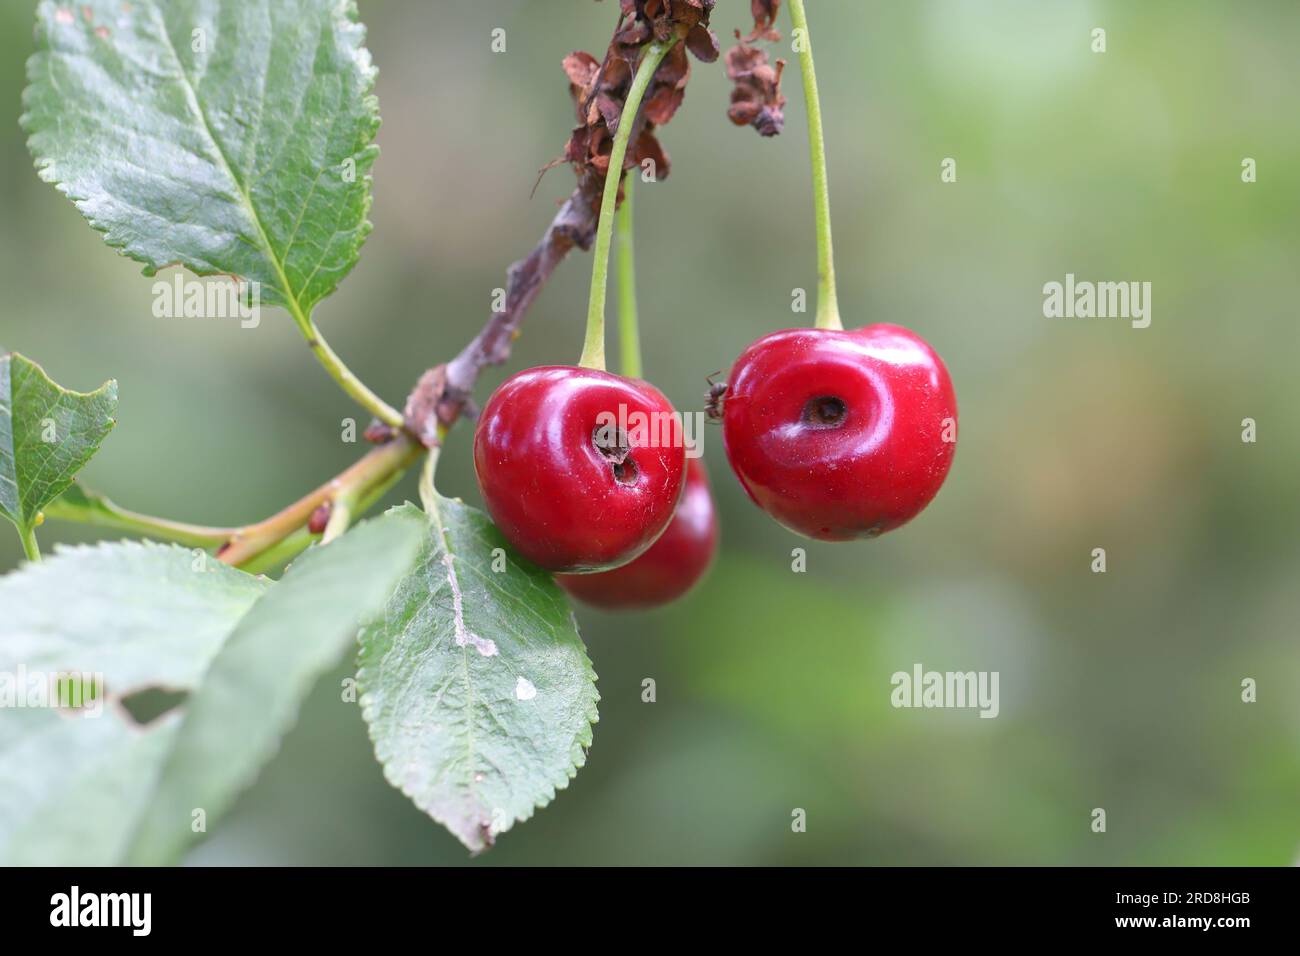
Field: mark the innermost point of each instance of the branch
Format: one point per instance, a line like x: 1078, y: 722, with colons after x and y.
x: 444, y: 391
x: 376, y: 468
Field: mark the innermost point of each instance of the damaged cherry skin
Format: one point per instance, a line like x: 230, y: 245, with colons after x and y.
x: 672, y: 566
x: 561, y: 492
x: 840, y: 434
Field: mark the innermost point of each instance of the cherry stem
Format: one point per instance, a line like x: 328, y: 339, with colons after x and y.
x: 629, y: 336
x: 593, y: 349
x: 828, y: 310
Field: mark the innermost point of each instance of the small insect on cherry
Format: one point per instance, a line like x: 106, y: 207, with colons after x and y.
x: 713, y: 398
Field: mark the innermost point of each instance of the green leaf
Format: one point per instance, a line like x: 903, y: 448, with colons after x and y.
x: 92, y: 787
x: 134, y: 616
x: 476, y: 686
x: 229, y: 136
x: 47, y: 434
x: 73, y: 785
x: 141, y: 614
x: 251, y: 694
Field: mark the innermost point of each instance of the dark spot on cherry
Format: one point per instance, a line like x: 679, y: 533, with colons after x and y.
x: 614, y: 447
x: 825, y: 411
x: 625, y: 471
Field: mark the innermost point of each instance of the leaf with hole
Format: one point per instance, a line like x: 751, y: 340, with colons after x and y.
x: 249, y: 696
x: 124, y: 617
x: 148, y: 616
x: 141, y: 614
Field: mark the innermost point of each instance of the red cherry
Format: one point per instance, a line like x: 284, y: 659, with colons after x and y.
x: 840, y: 435
x: 569, y: 487
x: 673, y: 564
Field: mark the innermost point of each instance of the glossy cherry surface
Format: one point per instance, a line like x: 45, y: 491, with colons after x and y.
x: 569, y: 488
x: 840, y: 434
x: 672, y: 566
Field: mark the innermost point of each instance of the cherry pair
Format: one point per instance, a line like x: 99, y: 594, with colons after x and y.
x: 625, y: 514
x: 836, y: 434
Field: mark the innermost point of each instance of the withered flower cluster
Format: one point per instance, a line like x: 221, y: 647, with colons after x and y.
x: 756, y: 99
x: 599, y: 88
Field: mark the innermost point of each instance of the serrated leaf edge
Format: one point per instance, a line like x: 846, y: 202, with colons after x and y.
x: 559, y: 781
x: 107, y: 390
x: 348, y: 13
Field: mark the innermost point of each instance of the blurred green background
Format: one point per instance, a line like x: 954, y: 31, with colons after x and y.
x: 1118, y: 690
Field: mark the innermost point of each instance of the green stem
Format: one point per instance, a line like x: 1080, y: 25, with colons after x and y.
x: 828, y: 310
x: 102, y: 513
x: 355, y: 483
x: 297, y: 542
x: 30, y: 547
x: 348, y: 381
x: 267, y: 544
x: 593, y: 349
x: 280, y: 553
x: 629, y: 336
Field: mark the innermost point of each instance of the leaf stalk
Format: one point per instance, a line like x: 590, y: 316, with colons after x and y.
x: 345, y: 377
x: 30, y: 548
x: 107, y: 514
